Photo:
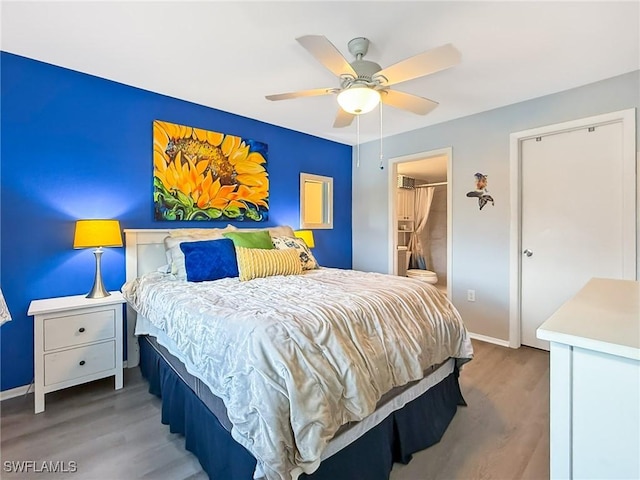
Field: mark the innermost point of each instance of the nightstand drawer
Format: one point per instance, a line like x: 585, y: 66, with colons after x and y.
x: 79, y: 362
x: 73, y: 330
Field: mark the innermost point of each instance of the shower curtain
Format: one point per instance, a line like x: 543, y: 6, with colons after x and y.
x: 417, y: 247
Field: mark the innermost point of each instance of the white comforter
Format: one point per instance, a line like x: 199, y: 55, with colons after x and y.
x: 296, y: 357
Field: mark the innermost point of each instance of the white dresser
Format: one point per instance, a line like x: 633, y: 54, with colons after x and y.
x: 76, y: 340
x: 595, y: 382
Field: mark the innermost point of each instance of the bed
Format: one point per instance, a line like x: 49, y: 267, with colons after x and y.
x: 326, y: 374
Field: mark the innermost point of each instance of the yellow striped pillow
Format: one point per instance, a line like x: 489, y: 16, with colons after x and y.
x: 260, y: 262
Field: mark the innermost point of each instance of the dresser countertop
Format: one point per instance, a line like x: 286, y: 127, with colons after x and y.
x: 604, y: 316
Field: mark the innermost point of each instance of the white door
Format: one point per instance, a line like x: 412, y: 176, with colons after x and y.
x: 573, y: 205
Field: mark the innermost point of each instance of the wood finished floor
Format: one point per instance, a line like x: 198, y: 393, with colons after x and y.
x: 502, y: 434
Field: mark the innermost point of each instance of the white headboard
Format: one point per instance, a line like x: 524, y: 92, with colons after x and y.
x: 144, y: 252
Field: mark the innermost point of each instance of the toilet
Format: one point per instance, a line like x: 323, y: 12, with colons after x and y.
x: 423, y: 275
x: 404, y: 259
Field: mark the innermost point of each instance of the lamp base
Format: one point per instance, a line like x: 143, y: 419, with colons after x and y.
x: 98, y: 290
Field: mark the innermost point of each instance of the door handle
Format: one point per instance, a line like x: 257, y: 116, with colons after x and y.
x: 528, y: 252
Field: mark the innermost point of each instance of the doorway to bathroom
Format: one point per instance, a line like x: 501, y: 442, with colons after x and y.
x: 420, y: 217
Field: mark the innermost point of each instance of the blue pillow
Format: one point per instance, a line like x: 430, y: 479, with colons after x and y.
x: 210, y: 259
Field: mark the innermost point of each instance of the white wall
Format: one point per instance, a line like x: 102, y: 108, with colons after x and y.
x: 480, y: 238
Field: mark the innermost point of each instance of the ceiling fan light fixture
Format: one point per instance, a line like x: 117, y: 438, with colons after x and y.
x: 358, y: 99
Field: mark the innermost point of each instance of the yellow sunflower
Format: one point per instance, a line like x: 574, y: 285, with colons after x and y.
x: 183, y: 176
x: 213, y: 169
x: 250, y: 195
x: 212, y: 194
x: 249, y: 170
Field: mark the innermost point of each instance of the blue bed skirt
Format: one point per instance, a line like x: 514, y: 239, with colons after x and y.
x: 420, y: 424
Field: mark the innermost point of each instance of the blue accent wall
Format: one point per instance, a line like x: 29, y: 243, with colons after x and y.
x: 78, y: 146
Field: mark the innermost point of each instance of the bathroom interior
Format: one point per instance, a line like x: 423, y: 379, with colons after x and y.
x: 421, y: 208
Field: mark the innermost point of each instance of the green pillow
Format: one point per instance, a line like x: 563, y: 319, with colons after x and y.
x: 260, y: 239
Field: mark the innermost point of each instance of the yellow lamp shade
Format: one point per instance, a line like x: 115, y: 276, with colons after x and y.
x: 97, y: 233
x: 307, y: 236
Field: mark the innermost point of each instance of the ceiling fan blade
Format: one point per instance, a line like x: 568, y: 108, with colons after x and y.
x: 343, y: 119
x: 327, y: 54
x: 425, y: 63
x: 302, y: 93
x: 406, y: 101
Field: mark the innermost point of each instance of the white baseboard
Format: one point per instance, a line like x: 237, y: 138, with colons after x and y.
x: 484, y: 338
x: 15, y: 392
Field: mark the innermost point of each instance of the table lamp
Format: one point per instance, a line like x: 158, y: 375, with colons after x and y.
x: 97, y: 234
x: 307, y: 236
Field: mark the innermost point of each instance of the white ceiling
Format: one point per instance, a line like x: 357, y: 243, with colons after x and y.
x: 229, y: 55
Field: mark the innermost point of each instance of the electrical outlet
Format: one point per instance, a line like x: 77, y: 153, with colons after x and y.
x: 471, y: 295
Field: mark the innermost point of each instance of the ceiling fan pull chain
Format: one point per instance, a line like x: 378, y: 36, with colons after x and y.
x: 358, y: 140
x: 381, y: 155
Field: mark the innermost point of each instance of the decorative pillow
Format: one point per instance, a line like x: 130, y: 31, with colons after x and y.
x: 307, y: 259
x: 175, y: 257
x: 260, y: 262
x: 259, y: 239
x: 210, y: 260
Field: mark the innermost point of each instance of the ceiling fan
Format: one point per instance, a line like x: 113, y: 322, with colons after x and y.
x: 363, y: 84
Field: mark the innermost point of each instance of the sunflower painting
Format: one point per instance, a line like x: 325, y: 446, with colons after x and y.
x: 204, y: 175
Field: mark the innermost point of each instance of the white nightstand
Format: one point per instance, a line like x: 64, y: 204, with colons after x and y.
x: 76, y: 340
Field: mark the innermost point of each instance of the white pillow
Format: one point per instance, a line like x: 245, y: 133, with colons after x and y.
x: 200, y: 232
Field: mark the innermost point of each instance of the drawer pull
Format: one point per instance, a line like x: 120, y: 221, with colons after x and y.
x: 81, y: 329
x: 82, y: 362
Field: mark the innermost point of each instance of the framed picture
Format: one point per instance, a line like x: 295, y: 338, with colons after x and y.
x: 204, y: 175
